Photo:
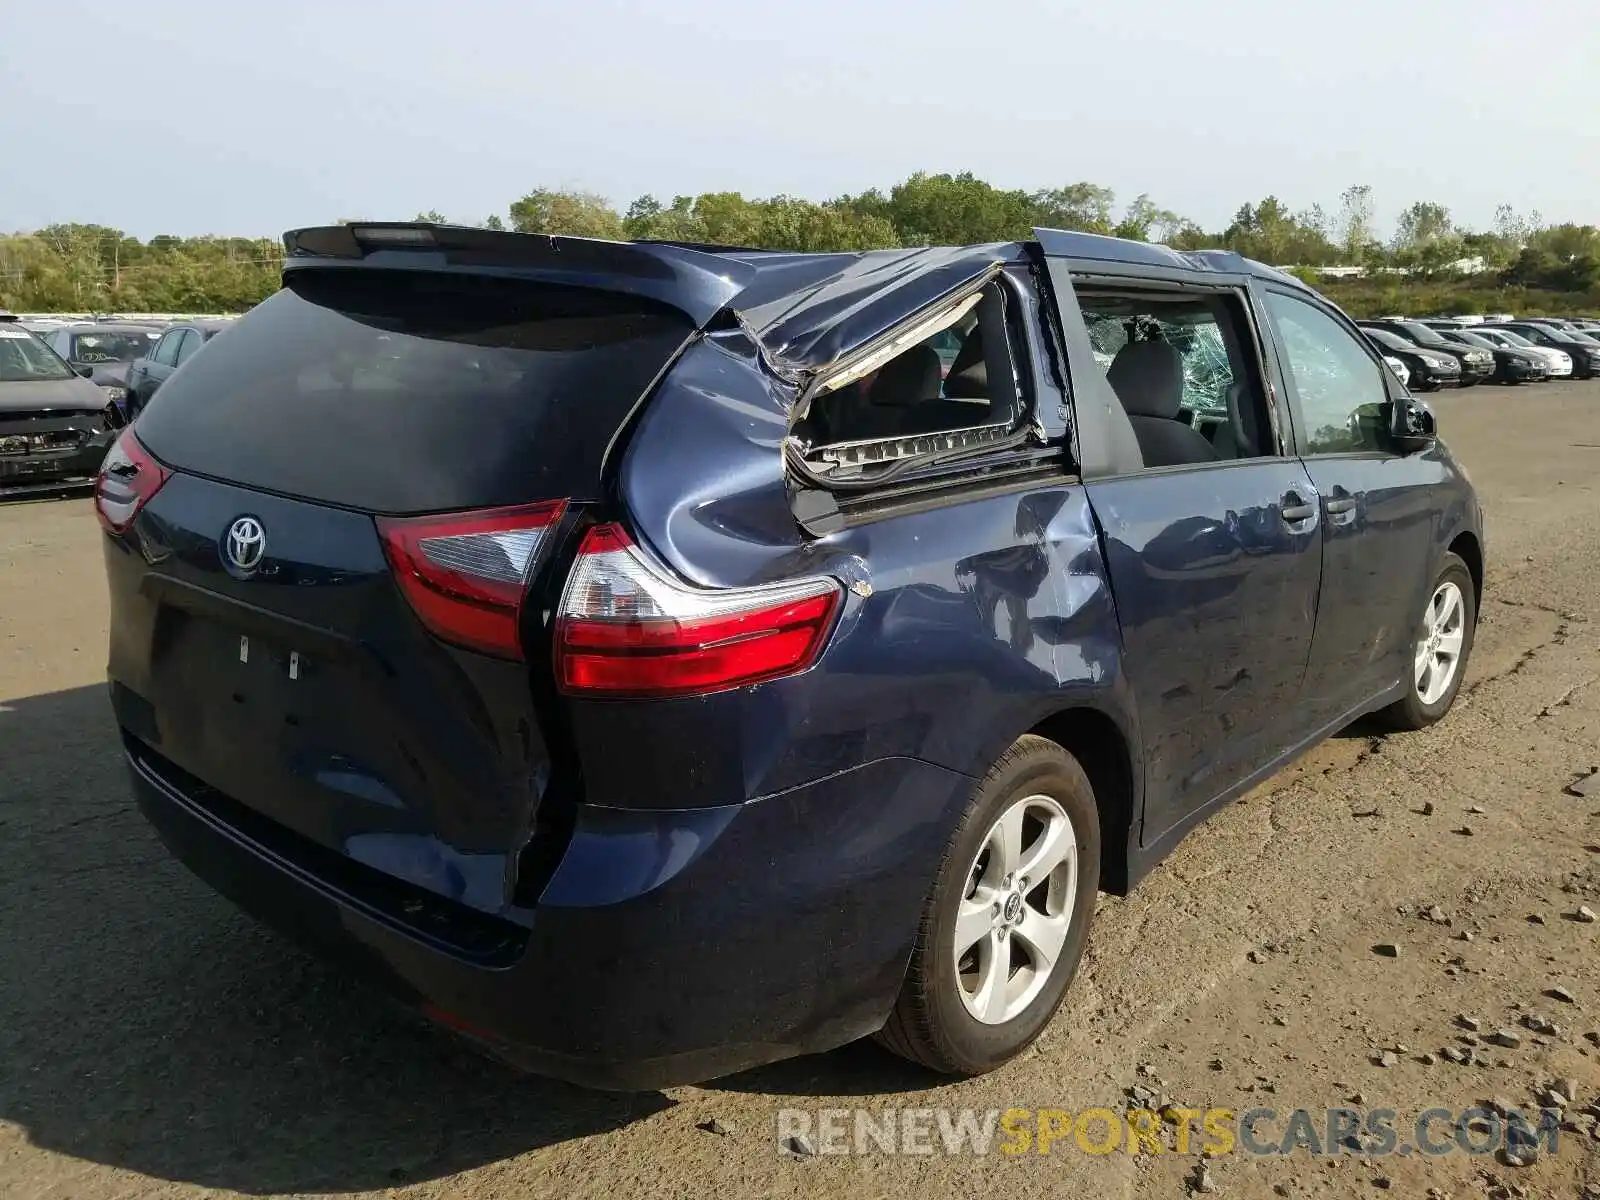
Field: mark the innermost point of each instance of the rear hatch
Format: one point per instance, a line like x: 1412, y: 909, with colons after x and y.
x: 331, y: 610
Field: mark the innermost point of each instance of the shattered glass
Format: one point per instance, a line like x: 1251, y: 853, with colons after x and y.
x: 1207, y: 372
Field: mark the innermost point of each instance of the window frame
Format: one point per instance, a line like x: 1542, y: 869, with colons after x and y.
x: 192, y: 341
x: 1254, y: 342
x: 1239, y: 337
x: 1048, y: 458
x: 1302, y: 445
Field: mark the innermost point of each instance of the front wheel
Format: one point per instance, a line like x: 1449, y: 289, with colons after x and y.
x: 1006, y: 923
x: 1439, y: 655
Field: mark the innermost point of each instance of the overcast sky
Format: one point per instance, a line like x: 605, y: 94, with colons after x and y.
x: 236, y: 116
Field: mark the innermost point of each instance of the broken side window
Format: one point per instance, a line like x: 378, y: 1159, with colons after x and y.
x: 1185, y: 369
x: 950, y: 387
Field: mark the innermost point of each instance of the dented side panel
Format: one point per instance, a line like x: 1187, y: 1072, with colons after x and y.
x: 965, y: 624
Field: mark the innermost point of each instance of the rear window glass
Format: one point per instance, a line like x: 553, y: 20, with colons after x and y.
x: 111, y: 347
x: 410, y: 391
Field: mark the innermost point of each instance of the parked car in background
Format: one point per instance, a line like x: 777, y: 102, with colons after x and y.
x: 1584, y: 350
x: 1552, y: 322
x: 1401, y: 371
x: 107, y: 349
x: 646, y: 679
x: 1511, y: 366
x: 1430, y: 370
x: 55, y: 425
x: 177, y: 345
x: 1476, y: 365
x: 1557, y: 363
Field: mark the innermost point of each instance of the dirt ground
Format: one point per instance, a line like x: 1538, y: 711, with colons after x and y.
x: 153, y: 1042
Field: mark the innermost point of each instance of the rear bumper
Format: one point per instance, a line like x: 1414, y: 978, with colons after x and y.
x: 670, y: 946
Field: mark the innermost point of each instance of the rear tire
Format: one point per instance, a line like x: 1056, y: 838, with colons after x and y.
x: 1439, y: 653
x: 967, y: 1011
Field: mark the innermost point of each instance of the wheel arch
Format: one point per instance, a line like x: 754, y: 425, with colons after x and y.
x: 1468, y: 549
x: 1105, y: 751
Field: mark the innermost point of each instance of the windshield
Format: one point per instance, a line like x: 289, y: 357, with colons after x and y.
x: 1421, y: 334
x: 1545, y: 335
x: 1516, y: 339
x: 1384, y: 338
x: 25, y: 359
x: 110, y: 347
x: 1472, y: 339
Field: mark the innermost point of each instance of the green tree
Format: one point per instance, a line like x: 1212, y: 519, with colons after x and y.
x: 1270, y: 233
x: 1144, y: 221
x: 1567, y: 241
x: 1426, y: 240
x: 576, y: 214
x: 952, y: 210
x: 1353, y: 231
x: 1082, y: 206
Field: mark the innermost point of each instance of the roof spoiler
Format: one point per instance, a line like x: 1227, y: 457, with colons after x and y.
x: 696, y: 283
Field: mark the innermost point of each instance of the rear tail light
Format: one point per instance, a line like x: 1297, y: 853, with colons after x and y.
x: 128, y: 478
x: 627, y: 628
x: 465, y: 574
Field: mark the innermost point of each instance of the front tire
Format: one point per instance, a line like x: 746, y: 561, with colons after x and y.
x: 1007, y: 921
x: 1438, y: 660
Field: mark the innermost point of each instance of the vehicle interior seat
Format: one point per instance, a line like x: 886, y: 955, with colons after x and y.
x: 1148, y: 378
x: 969, y: 373
x: 888, y: 407
x: 1230, y: 440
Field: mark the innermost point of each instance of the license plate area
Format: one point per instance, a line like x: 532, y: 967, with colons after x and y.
x: 28, y: 468
x: 254, y: 689
x: 258, y: 717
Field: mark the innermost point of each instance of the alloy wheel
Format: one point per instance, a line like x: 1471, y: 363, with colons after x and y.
x: 1017, y: 909
x: 1438, y: 654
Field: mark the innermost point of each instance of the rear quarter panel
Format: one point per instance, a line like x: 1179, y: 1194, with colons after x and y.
x: 970, y: 621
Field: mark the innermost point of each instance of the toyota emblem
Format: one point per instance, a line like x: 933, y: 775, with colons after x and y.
x: 245, y: 545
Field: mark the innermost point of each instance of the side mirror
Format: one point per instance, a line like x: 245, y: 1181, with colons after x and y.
x: 1411, y: 425
x: 84, y: 369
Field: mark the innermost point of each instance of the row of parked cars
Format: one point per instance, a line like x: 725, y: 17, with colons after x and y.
x: 1438, y: 352
x: 66, y: 387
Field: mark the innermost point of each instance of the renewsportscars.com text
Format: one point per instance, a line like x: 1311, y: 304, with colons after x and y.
x: 1212, y: 1131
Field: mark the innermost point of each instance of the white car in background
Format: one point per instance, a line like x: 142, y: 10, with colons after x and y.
x: 1401, y: 371
x: 1558, y: 361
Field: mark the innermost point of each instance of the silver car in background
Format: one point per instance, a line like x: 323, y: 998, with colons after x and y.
x: 1559, y: 361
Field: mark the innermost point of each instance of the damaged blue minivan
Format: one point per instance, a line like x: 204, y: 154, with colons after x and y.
x: 651, y: 660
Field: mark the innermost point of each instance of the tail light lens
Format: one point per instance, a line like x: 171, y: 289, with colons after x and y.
x: 465, y: 574
x: 127, y: 479
x: 627, y: 628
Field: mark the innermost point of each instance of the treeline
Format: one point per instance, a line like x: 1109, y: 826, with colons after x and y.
x: 90, y: 268
x: 1428, y: 263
